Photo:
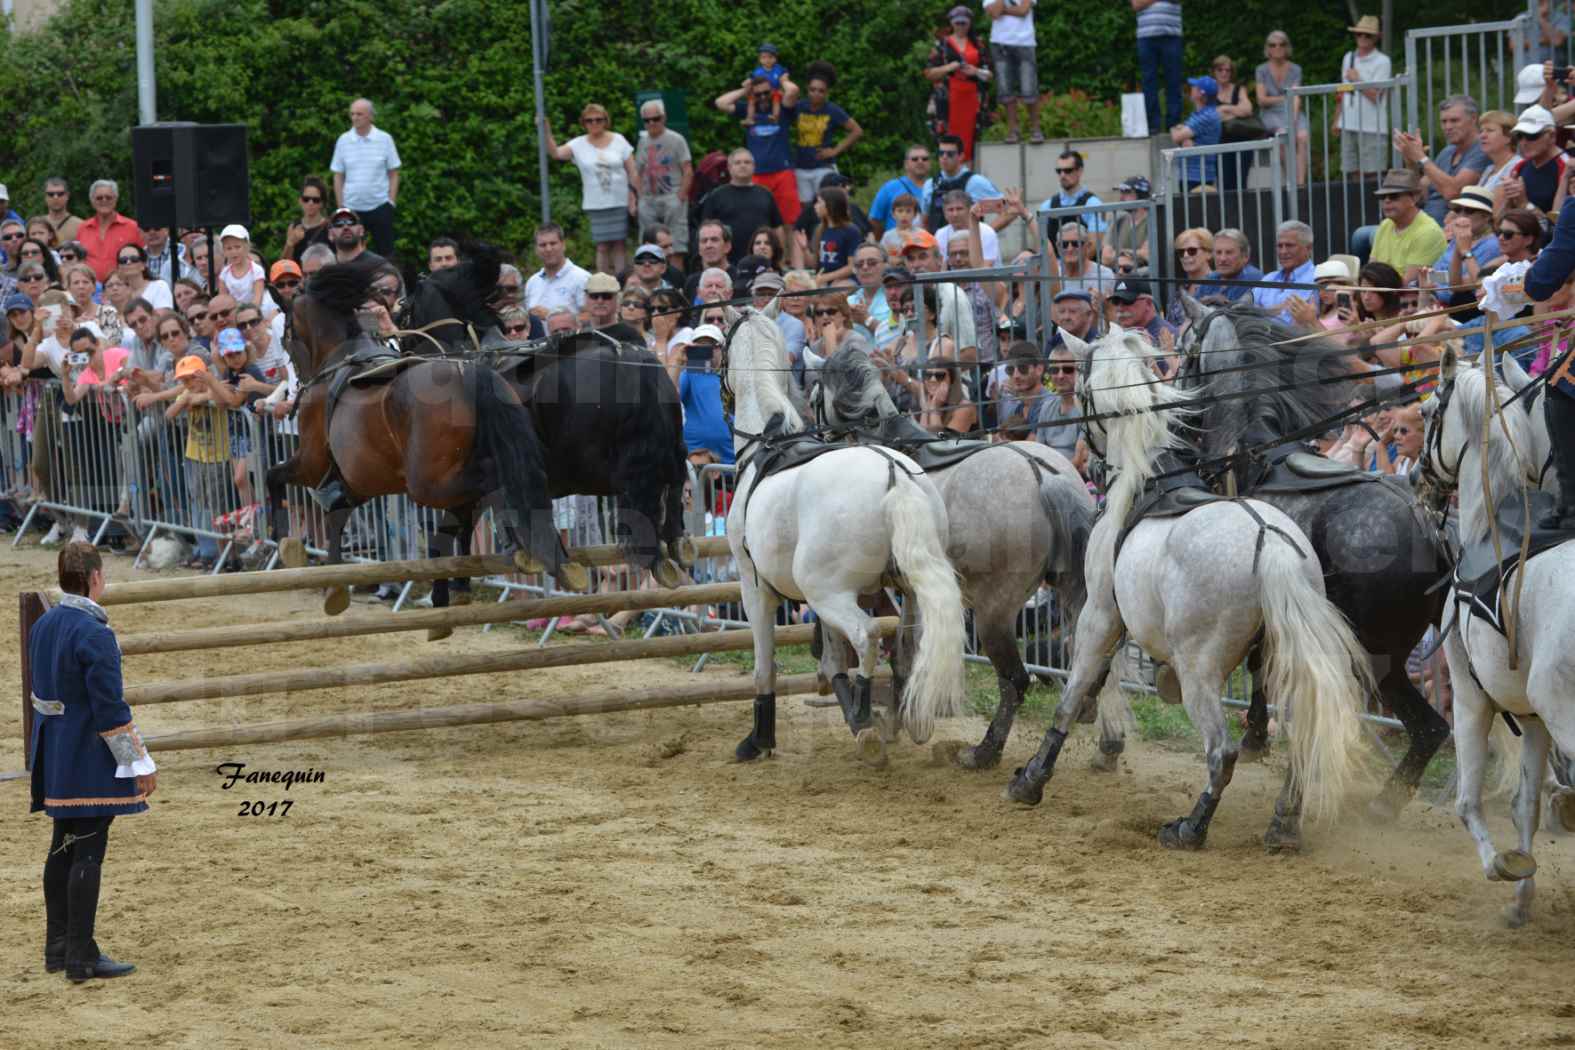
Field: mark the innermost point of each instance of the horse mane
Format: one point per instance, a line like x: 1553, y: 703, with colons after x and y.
x: 465, y: 289
x: 758, y: 372
x: 1507, y: 472
x: 852, y: 390
x: 1273, y: 381
x: 340, y: 289
x: 1119, y: 378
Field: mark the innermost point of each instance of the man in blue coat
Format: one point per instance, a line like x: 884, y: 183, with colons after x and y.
x: 1547, y: 275
x: 89, y: 762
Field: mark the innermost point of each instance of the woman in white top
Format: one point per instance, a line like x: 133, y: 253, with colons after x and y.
x: 1276, y: 108
x: 131, y: 263
x: 1495, y: 138
x: 608, y: 178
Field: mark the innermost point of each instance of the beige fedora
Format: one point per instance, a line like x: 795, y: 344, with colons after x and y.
x: 1366, y: 24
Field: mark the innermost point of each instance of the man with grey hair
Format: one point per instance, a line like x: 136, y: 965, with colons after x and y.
x: 315, y: 258
x: 666, y: 169
x: 1073, y: 260
x: 108, y: 231
x: 1458, y: 165
x: 57, y: 201
x: 562, y: 321
x: 366, y: 171
x: 1232, y: 262
x: 1293, y: 243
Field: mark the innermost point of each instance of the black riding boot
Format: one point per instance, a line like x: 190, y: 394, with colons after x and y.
x: 83, y: 958
x: 1560, y: 413
x: 57, y: 877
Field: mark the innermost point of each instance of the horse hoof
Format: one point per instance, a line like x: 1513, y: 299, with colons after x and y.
x: 528, y: 565
x: 1277, y: 840
x: 437, y: 634
x: 1023, y: 791
x: 1561, y: 809
x: 888, y: 723
x: 292, y: 553
x: 336, y: 601
x: 1252, y: 751
x: 686, y: 551
x: 1515, y: 916
x: 1104, y: 763
x: 748, y: 751
x: 1384, y: 810
x: 956, y: 753
x: 822, y: 683
x: 870, y: 748
x: 572, y: 576
x: 1512, y: 866
x: 668, y: 573
x: 1178, y: 834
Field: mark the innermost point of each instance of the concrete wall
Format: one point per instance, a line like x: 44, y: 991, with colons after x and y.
x: 1106, y: 162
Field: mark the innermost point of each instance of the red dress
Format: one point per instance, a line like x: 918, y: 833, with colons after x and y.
x: 962, y: 91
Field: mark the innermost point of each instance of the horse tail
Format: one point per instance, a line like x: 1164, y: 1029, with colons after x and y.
x: 1071, y: 521
x: 1319, y: 674
x: 1115, y: 710
x: 935, y: 686
x: 506, y: 436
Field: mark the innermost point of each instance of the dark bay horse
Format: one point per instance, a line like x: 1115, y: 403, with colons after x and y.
x: 605, y: 413
x: 448, y: 433
x: 1380, y: 552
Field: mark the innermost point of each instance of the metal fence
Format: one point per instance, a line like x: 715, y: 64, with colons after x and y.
x: 1208, y: 186
x: 1481, y: 59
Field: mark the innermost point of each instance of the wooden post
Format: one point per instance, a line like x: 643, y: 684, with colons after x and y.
x: 386, y: 623
x: 648, y: 699
x: 350, y: 575
x: 445, y: 666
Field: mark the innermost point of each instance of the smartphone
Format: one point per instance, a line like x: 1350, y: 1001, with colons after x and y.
x: 698, y: 356
x: 1561, y: 74
x: 1342, y: 300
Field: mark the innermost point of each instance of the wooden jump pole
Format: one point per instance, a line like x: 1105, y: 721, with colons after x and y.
x: 320, y: 576
x: 452, y: 665
x: 647, y: 699
x: 456, y: 616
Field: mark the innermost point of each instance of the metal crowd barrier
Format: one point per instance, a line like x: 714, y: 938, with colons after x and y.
x: 1480, y: 59
x: 1227, y: 201
x: 1103, y: 218
x: 1345, y: 195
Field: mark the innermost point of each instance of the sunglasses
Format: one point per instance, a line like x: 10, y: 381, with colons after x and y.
x: 32, y: 252
x: 171, y: 333
x: 949, y: 152
x: 54, y: 193
x: 222, y: 315
x: 69, y: 257
x: 310, y: 200
x: 866, y: 264
x: 1509, y: 233
x: 1191, y: 251
x: 653, y: 120
x: 32, y: 277
x: 1063, y: 369
x: 385, y: 291
x: 1071, y: 244
x: 600, y: 295
x: 762, y: 95
x: 921, y: 158
x: 247, y: 326
x: 340, y: 224
x: 1065, y: 171
x: 1020, y: 369
x: 13, y: 236
x: 104, y: 198
x: 1127, y: 269
x: 197, y: 316
x: 516, y: 329
x: 289, y: 282
x: 129, y: 260
x: 935, y: 377
x: 508, y: 288
x: 646, y: 260
x: 593, y: 120
x: 824, y: 313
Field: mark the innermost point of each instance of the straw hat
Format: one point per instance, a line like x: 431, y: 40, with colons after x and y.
x: 1366, y: 24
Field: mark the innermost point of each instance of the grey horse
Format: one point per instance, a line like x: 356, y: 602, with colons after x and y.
x: 1019, y: 515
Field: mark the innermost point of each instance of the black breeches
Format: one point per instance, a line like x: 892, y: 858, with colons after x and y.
x: 78, y: 840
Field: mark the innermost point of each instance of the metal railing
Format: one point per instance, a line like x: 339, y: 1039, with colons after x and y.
x: 1481, y: 59
x: 1193, y: 180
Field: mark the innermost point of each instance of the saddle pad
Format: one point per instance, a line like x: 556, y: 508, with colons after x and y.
x: 938, y: 454
x: 382, y: 370
x: 1481, y: 578
x: 1305, y: 472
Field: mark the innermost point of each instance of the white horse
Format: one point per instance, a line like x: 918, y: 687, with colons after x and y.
x: 1469, y: 438
x: 1194, y: 590
x: 841, y: 525
x: 1540, y: 456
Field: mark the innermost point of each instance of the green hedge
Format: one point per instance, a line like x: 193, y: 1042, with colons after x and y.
x: 452, y: 82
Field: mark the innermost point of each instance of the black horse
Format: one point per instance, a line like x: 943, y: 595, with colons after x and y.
x: 606, y: 414
x: 1381, y: 554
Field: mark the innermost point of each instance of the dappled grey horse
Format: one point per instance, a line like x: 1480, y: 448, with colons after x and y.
x: 1019, y: 516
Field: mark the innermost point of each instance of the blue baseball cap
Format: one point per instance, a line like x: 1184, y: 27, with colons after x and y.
x: 231, y: 341
x: 1073, y: 293
x: 1208, y: 85
x: 17, y: 301
x: 766, y: 49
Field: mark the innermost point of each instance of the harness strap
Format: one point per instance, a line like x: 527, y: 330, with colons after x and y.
x: 1264, y: 528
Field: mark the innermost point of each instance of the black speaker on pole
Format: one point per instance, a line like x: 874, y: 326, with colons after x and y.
x: 191, y: 175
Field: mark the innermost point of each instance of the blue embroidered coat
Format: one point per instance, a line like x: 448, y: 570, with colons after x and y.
x: 85, y: 758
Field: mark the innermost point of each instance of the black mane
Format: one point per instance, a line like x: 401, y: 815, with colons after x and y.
x: 340, y: 289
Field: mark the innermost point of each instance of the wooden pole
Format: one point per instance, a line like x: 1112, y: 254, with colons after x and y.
x: 388, y: 623
x: 451, y: 665
x: 648, y: 699
x: 319, y: 576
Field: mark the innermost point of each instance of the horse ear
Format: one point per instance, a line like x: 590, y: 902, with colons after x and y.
x: 1191, y: 307
x: 1074, y: 344
x: 1448, y: 362
x: 1515, y: 377
x: 773, y: 308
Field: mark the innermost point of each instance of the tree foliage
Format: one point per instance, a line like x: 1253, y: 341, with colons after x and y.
x: 452, y: 82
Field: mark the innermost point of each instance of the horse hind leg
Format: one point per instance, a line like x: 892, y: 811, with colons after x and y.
x: 292, y: 551
x: 1426, y: 731
x: 760, y: 606
x: 842, y: 616
x: 1011, y: 677
x: 453, y: 537
x: 1200, y: 693
x: 1255, y: 740
x: 337, y: 599
x: 1534, y: 747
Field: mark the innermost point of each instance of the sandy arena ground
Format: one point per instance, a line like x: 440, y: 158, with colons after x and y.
x: 615, y: 882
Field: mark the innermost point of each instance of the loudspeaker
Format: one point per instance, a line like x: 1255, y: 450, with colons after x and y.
x: 191, y: 174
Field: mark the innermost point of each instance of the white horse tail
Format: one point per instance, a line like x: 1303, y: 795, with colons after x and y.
x: 1115, y: 710
x: 1317, y: 672
x: 935, y: 685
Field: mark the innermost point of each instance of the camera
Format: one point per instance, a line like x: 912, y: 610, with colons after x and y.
x: 698, y: 355
x: 79, y: 360
x: 1561, y: 74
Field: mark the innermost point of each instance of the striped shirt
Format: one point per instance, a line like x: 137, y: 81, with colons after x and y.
x: 1161, y: 18
x: 365, y: 161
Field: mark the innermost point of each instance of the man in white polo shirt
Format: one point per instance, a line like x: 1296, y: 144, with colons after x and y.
x: 559, y: 284
x: 366, y: 175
